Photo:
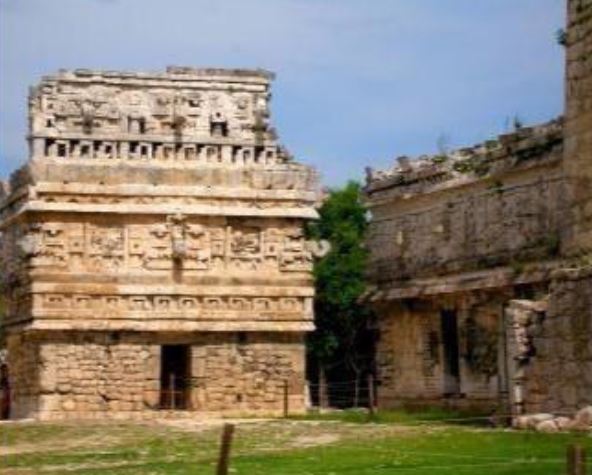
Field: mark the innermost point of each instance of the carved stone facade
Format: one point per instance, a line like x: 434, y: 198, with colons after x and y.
x: 480, y: 263
x: 153, y: 250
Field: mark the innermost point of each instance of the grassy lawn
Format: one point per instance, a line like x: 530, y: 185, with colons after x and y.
x: 320, y: 445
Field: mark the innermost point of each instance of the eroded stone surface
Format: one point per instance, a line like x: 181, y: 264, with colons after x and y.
x: 480, y: 263
x: 156, y: 210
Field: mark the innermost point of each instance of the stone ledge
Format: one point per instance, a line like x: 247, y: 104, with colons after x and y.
x: 490, y: 279
x: 164, y: 326
x: 523, y: 148
x: 159, y: 209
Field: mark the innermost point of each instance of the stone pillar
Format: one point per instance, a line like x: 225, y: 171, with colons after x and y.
x: 524, y: 319
x: 578, y: 124
x: 38, y: 147
x: 226, y: 153
x: 124, y: 150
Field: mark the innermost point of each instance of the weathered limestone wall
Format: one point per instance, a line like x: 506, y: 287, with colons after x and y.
x: 249, y: 377
x: 439, y: 216
x: 97, y: 375
x: 550, y: 346
x: 578, y: 124
x: 557, y: 374
x: 464, y: 233
x: 24, y: 363
x: 565, y: 346
x: 410, y: 360
x: 408, y: 356
x: 512, y: 216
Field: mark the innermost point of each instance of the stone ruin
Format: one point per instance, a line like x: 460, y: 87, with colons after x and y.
x: 154, y: 259
x: 481, y: 264
x: 153, y: 251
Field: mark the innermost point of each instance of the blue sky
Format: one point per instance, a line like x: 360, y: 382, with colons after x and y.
x: 359, y: 81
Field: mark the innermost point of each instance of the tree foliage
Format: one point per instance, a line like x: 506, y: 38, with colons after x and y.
x: 339, y: 276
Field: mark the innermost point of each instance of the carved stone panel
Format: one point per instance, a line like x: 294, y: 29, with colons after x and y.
x: 106, y: 247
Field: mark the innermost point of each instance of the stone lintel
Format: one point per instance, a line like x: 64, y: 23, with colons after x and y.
x: 466, y: 282
x: 165, y: 209
x: 172, y: 74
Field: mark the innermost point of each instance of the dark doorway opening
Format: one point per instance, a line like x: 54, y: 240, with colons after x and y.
x: 451, y: 353
x: 174, y: 376
x: 4, y: 392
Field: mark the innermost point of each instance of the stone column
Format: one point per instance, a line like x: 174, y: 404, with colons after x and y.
x: 226, y: 153
x: 38, y: 147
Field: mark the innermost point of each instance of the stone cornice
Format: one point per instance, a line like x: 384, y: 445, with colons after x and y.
x: 162, y: 326
x: 164, y: 209
x: 497, y: 278
x: 525, y: 148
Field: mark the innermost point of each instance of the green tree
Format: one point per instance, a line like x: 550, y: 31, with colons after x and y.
x: 340, y: 318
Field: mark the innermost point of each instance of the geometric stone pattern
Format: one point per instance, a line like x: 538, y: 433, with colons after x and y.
x: 155, y: 207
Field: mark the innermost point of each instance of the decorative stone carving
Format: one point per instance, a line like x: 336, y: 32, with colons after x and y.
x: 106, y: 246
x: 43, y: 245
x: 156, y: 209
x: 199, y: 306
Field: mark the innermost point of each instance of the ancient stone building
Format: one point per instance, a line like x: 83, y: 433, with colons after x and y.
x: 578, y: 127
x: 480, y: 262
x: 153, y: 254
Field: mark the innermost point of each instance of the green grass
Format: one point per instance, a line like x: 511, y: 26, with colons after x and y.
x: 347, y: 444
x: 408, y: 417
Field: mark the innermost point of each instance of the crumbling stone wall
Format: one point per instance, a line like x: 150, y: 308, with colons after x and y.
x: 550, y: 346
x: 513, y: 217
x: 463, y: 233
x: 558, y: 377
x: 442, y: 215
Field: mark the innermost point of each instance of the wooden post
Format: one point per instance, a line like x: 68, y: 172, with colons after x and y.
x: 172, y: 390
x: 286, y: 399
x: 576, y: 460
x: 225, y: 446
x: 323, y: 402
x: 371, y: 397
